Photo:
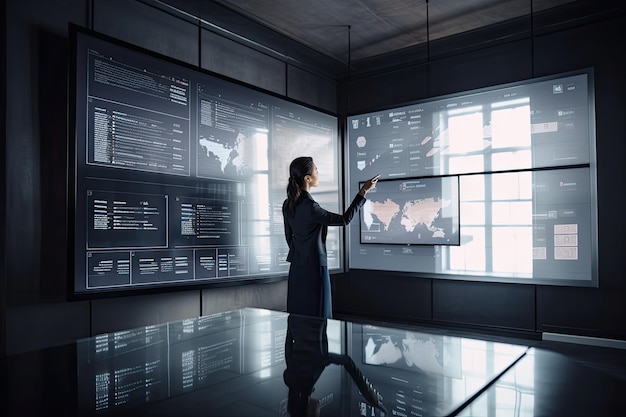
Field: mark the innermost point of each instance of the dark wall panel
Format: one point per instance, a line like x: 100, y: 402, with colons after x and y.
x: 498, y: 64
x: 34, y: 327
x: 36, y: 135
x: 584, y: 312
x: 599, y: 311
x: 35, y: 257
x: 509, y: 306
x: 381, y: 295
x: 237, y: 61
x: 272, y: 296
x: 113, y: 314
x: 52, y: 108
x: 147, y: 27
x: 388, y: 89
x: 340, y: 287
x: 36, y: 145
x: 504, y: 32
x: 3, y: 126
x: 481, y: 68
x: 311, y: 89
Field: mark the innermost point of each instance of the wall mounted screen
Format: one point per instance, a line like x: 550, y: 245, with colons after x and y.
x: 412, y: 211
x: 524, y: 154
x: 179, y: 175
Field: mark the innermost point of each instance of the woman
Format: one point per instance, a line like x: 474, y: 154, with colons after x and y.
x: 306, y: 226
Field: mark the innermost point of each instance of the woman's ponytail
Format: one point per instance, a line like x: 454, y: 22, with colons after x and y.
x: 298, y: 169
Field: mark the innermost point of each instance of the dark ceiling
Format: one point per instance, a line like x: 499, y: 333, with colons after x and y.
x: 351, y: 30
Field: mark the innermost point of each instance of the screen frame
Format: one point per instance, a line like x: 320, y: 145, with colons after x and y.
x: 455, y: 225
x: 74, y: 32
x: 352, y: 183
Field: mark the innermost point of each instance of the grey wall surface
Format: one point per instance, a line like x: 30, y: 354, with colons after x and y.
x: 566, y: 40
x: 3, y: 125
x: 39, y: 311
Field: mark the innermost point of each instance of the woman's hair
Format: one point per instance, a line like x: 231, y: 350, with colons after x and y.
x: 298, y: 169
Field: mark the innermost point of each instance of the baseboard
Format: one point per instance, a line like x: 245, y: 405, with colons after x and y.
x: 584, y: 340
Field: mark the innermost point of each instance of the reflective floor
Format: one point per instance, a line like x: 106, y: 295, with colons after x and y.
x: 254, y: 362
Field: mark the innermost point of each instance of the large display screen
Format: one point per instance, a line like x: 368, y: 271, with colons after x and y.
x: 412, y: 211
x: 524, y: 154
x: 179, y: 175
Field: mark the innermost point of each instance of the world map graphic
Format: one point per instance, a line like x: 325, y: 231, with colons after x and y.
x: 414, y: 212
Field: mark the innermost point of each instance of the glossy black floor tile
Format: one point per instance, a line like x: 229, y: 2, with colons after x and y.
x: 253, y: 362
x: 547, y: 383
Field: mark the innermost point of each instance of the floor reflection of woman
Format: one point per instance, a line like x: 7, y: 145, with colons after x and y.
x: 306, y: 357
